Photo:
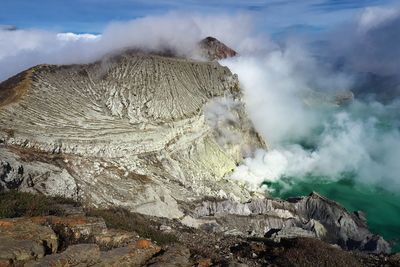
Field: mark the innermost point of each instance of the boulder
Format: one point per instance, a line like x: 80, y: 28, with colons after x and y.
x: 173, y: 256
x: 73, y: 229
x: 21, y: 240
x: 76, y: 255
x: 135, y: 254
x: 19, y: 229
x: 113, y: 238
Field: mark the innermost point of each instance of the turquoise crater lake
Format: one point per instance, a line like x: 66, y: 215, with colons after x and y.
x: 382, y: 208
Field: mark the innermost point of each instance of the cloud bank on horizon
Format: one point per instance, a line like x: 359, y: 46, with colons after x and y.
x: 93, y: 16
x: 180, y: 32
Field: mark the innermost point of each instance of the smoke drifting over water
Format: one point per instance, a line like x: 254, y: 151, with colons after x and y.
x: 316, y: 138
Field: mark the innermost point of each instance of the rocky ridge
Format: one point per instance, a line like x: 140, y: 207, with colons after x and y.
x: 313, y: 216
x: 139, y: 122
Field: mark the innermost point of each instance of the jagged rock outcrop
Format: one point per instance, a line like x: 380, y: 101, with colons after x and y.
x: 312, y: 216
x: 213, y: 49
x: 134, y: 130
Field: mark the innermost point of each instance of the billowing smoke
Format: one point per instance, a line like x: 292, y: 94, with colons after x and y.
x: 289, y: 97
x: 369, y: 49
x: 371, y: 43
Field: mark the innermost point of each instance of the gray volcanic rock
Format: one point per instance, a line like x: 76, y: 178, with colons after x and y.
x: 213, y: 49
x: 134, y: 130
x: 312, y: 216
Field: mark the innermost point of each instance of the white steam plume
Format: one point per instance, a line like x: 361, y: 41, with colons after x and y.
x: 362, y: 138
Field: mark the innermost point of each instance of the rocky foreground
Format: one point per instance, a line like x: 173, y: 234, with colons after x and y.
x: 155, y: 135
x: 62, y: 233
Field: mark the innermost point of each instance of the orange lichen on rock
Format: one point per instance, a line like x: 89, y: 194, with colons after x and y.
x: 53, y: 220
x: 143, y: 244
x: 4, y: 223
x: 69, y: 221
x: 204, y: 262
x: 39, y: 219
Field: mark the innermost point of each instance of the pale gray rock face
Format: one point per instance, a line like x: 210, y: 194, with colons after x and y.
x: 312, y: 216
x: 134, y: 130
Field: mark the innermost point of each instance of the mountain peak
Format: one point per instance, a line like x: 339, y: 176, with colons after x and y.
x: 213, y: 49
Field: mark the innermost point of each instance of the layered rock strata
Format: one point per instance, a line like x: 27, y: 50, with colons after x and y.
x: 134, y: 130
x: 313, y: 216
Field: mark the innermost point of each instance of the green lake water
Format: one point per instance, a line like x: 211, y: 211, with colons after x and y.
x: 382, y: 208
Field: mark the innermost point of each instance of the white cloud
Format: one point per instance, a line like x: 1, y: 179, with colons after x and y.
x: 373, y: 17
x: 69, y: 36
x: 20, y: 49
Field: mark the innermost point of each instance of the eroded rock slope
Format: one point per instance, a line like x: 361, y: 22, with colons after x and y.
x: 135, y: 130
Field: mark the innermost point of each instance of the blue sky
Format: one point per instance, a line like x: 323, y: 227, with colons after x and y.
x: 93, y: 15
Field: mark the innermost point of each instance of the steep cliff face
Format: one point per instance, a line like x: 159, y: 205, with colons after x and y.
x: 136, y: 130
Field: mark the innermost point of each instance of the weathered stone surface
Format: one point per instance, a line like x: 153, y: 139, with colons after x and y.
x: 24, y: 229
x: 312, y: 216
x: 31, y: 241
x: 13, y: 250
x: 204, y: 262
x: 76, y: 255
x: 395, y: 259
x: 73, y: 229
x: 344, y: 228
x: 113, y: 238
x: 147, y: 125
x: 213, y: 49
x: 174, y: 256
x: 135, y: 254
